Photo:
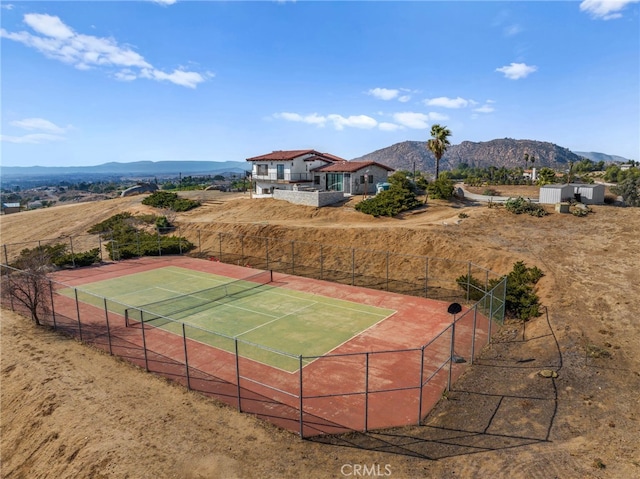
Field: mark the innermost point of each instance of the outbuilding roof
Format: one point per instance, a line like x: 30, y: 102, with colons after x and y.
x: 350, y: 166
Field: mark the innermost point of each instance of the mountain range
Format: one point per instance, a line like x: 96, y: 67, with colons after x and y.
x: 507, y: 152
x: 407, y: 155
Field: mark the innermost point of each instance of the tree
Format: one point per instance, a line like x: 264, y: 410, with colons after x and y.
x: 546, y: 176
x: 439, y: 143
x: 27, y: 282
x: 629, y: 189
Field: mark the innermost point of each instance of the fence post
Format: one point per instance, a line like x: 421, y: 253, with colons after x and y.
x: 75, y: 290
x: 293, y: 258
x: 106, y: 315
x: 144, y: 342
x: 100, y: 248
x: 490, y: 315
x: 473, y: 337
x: 159, y: 245
x: 421, y: 384
x: 468, y: 280
x: 73, y: 256
x: 220, y: 246
x: 138, y: 241
x: 366, y: 391
x: 53, y: 308
x: 453, y: 338
x: 179, y: 242
x: 199, y: 243
x: 426, y: 276
x: 242, y: 249
x: 301, y: 404
x: 353, y: 266
x: 186, y: 358
x: 238, y: 374
x: 387, y: 271
x: 6, y: 256
x: 321, y: 263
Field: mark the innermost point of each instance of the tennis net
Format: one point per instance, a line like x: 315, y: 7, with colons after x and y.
x: 162, y: 312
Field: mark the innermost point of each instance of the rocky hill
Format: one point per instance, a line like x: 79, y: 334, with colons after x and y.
x: 505, y: 152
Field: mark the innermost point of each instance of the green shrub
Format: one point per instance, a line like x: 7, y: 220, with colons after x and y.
x: 519, y: 206
x: 391, y: 202
x: 110, y: 224
x: 521, y: 300
x: 168, y: 200
x: 441, y: 189
x: 58, y: 255
x: 475, y: 287
x: 490, y: 192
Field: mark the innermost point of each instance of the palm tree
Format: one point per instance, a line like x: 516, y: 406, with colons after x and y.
x: 438, y: 143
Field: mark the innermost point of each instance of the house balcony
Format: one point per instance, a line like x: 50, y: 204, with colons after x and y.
x: 285, y: 178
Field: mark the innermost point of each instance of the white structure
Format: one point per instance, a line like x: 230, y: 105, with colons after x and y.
x: 589, y: 194
x: 551, y: 194
x: 300, y: 170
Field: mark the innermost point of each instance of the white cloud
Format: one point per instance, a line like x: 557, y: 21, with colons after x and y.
x: 383, y: 93
x: 32, y: 138
x: 512, y: 30
x: 38, y: 124
x: 446, y: 102
x: 404, y: 98
x: 605, y: 9
x: 412, y: 120
x: 354, y: 121
x: 434, y: 116
x: 312, y: 119
x: 58, y: 41
x: 484, y: 109
x: 7, y: 6
x: 515, y: 71
x: 385, y: 126
x: 164, y: 2
x: 339, y: 122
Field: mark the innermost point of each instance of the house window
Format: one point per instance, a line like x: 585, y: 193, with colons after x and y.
x: 316, y: 180
x: 280, y: 172
x: 262, y: 170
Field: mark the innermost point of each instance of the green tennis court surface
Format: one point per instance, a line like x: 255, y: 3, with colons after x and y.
x: 267, y: 320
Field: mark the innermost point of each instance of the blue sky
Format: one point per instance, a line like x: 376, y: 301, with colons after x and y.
x: 84, y: 83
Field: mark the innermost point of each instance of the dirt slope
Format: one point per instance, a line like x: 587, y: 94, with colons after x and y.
x: 70, y: 411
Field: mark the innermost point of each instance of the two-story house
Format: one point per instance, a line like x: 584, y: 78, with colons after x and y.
x: 312, y: 170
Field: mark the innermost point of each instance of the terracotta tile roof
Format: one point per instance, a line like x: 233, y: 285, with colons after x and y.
x: 350, y: 166
x: 282, y: 155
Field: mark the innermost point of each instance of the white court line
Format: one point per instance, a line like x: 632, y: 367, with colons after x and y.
x: 277, y: 319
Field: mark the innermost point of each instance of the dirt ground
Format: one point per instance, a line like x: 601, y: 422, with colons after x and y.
x: 68, y: 410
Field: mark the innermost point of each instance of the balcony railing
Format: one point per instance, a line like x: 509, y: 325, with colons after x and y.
x: 287, y: 177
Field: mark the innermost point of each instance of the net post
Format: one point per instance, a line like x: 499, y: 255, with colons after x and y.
x: 238, y: 374
x: 126, y: 317
x: 366, y: 391
x: 75, y: 290
x: 300, y: 397
x: 186, y: 357
x: 421, y: 384
x: 53, y: 308
x: 106, y: 315
x: 144, y: 342
x: 453, y: 338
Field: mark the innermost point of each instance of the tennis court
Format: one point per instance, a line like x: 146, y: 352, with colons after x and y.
x: 276, y: 325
